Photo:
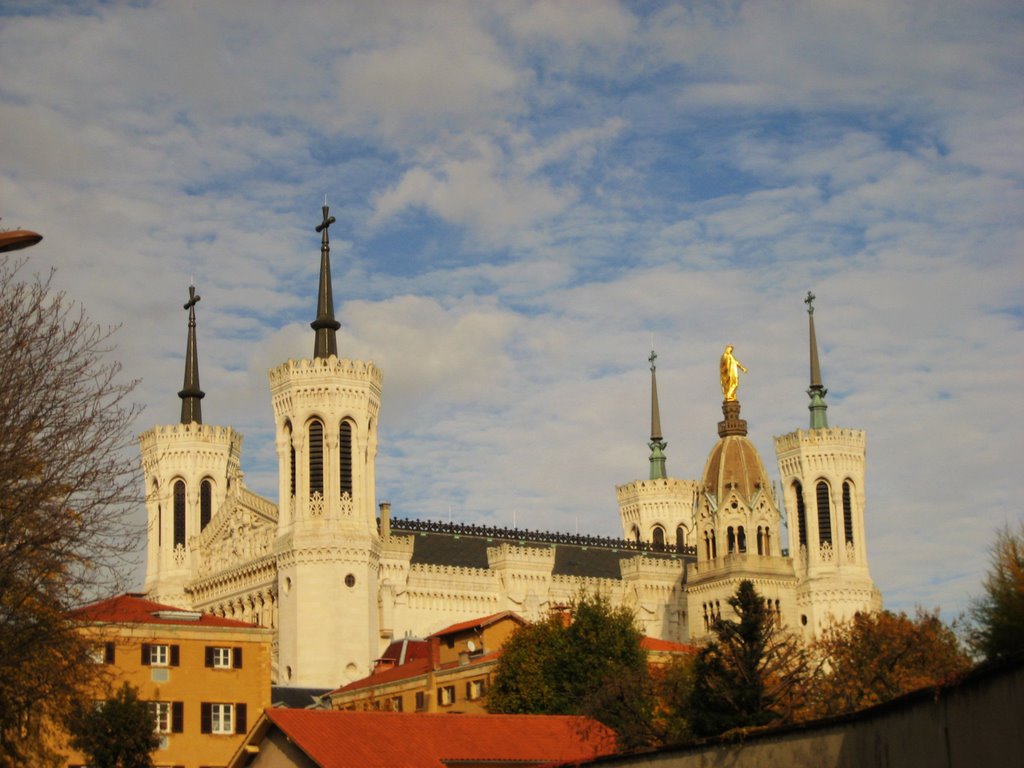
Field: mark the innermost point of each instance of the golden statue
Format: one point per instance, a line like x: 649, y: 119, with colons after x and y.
x: 730, y: 369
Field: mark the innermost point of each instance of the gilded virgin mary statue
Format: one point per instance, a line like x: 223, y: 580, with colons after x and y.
x: 730, y: 368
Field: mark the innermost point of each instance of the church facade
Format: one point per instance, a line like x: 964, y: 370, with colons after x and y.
x: 338, y: 578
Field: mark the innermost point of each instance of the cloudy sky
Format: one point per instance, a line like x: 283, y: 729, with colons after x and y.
x: 527, y: 193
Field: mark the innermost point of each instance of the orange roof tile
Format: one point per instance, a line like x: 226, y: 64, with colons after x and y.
x: 133, y: 609
x: 484, y: 621
x: 336, y: 739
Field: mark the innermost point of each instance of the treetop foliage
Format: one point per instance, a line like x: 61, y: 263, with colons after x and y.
x: 998, y: 615
x: 118, y: 733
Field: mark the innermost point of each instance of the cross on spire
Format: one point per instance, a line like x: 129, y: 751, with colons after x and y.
x: 191, y: 395
x: 809, y: 301
x: 326, y: 342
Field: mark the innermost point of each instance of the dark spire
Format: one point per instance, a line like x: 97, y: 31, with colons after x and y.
x: 191, y: 394
x: 817, y: 391
x: 326, y: 343
x: 657, y: 445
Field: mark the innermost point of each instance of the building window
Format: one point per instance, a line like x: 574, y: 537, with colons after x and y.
x: 179, y: 513
x: 395, y: 704
x: 160, y: 655
x: 731, y: 539
x: 345, y: 446
x: 205, y: 503
x: 421, y: 701
x: 680, y: 538
x: 316, y: 457
x: 291, y: 454
x: 741, y: 539
x: 223, y: 658
x: 102, y: 653
x: 446, y: 695
x: 222, y: 718
x: 801, y: 512
x: 475, y: 689
x: 161, y: 712
x: 847, y: 513
x: 824, y: 513
x: 658, y: 536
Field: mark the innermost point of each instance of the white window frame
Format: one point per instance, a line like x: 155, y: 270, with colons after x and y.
x: 476, y: 689
x: 222, y: 658
x: 159, y: 655
x: 162, y: 716
x: 222, y: 719
x: 447, y: 695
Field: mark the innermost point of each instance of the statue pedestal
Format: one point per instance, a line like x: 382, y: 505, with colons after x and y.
x: 733, y: 424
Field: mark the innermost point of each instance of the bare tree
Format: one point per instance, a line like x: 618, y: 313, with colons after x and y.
x: 68, y: 479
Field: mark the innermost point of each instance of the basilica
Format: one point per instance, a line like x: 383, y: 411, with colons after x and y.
x: 338, y: 578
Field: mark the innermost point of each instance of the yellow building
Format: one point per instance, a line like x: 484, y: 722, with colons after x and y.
x: 450, y: 671
x: 206, y: 678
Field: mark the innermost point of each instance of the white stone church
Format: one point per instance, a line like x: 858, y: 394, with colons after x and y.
x: 338, y: 578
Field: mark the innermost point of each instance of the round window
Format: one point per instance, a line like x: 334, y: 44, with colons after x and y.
x: 350, y: 580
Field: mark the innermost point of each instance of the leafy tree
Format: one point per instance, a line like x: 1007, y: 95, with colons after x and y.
x: 875, y: 657
x: 751, y: 674
x: 592, y: 665
x: 118, y: 733
x: 998, y: 615
x: 67, y: 474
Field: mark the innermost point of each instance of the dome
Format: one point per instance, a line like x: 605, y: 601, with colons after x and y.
x: 734, y: 464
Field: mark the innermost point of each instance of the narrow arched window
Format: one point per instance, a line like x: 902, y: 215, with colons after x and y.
x: 179, y: 513
x: 658, y: 537
x: 760, y: 540
x: 741, y: 539
x: 824, y: 513
x: 847, y: 513
x: 680, y: 538
x: 801, y: 512
x: 291, y: 460
x: 205, y: 503
x: 636, y: 533
x: 345, y: 447
x: 767, y: 541
x: 714, y: 546
x: 731, y: 540
x: 316, y: 457
x: 707, y: 546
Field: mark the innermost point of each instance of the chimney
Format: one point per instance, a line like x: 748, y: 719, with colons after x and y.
x: 385, y: 520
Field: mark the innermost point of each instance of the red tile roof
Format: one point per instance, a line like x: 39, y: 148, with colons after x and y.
x: 133, y: 609
x: 485, y: 621
x: 334, y: 739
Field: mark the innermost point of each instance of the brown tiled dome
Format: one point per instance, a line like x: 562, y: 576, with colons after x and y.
x: 734, y: 462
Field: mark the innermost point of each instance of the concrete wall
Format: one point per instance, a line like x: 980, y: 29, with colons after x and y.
x: 977, y: 722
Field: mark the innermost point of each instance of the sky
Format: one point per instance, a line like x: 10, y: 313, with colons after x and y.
x: 528, y: 196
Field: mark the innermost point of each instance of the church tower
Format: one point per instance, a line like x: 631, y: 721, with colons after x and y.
x: 738, y: 523
x: 190, y: 470
x: 822, y: 473
x: 659, y: 510
x: 328, y: 548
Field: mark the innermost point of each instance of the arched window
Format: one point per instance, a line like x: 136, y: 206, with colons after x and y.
x: 179, y: 513
x: 316, y: 457
x: 714, y: 546
x: 658, y: 537
x: 680, y: 538
x: 847, y: 513
x: 731, y: 540
x: 205, y: 503
x: 801, y: 512
x: 767, y: 541
x: 345, y: 446
x: 760, y: 540
x: 636, y: 533
x: 824, y: 513
x: 291, y: 460
x: 741, y: 539
x: 707, y: 546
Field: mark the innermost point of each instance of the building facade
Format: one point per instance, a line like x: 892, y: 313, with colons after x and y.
x: 338, y: 579
x: 205, y: 678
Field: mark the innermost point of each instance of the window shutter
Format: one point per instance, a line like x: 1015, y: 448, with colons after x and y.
x: 236, y: 658
x: 177, y: 717
x: 469, y: 690
x: 209, y: 656
x: 175, y: 656
x: 108, y: 653
x: 205, y: 717
x: 145, y: 654
x: 439, y: 696
x: 240, y: 719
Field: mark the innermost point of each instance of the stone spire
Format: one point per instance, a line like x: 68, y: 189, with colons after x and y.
x: 191, y: 394
x: 326, y: 343
x: 657, y: 444
x: 817, y: 391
